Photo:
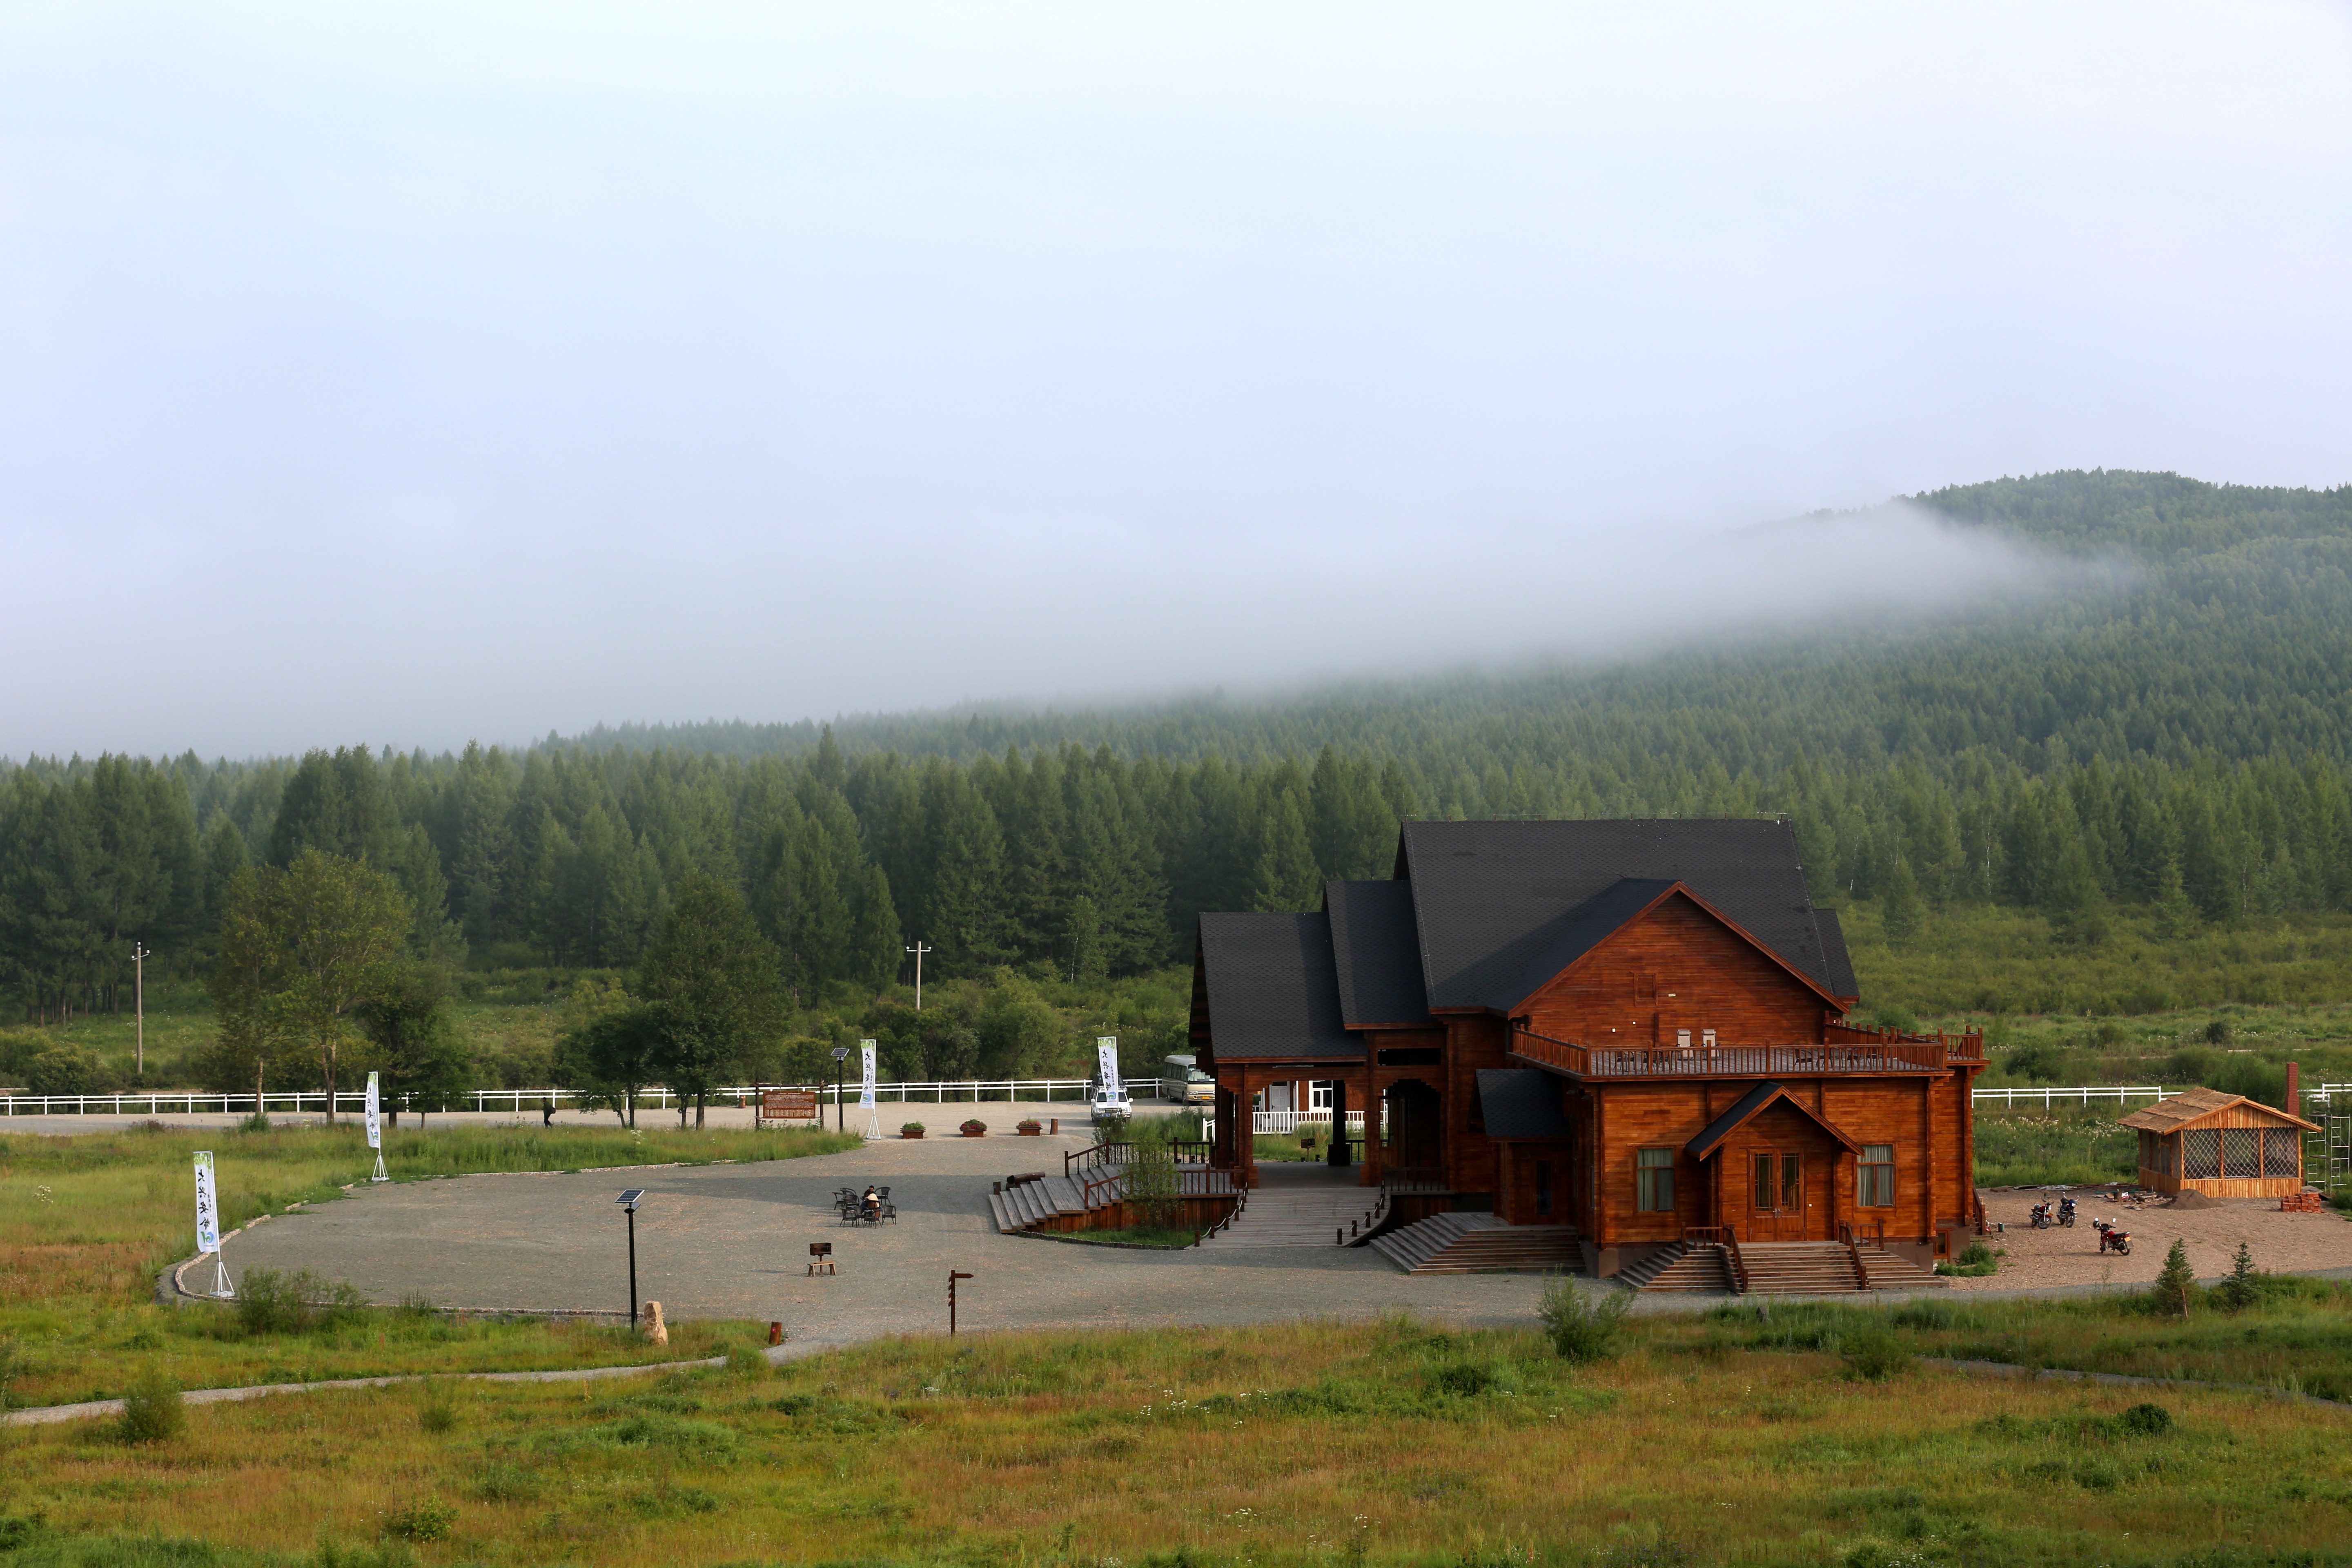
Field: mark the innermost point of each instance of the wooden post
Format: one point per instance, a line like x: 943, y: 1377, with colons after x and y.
x: 1603, y: 1233
x: 1375, y: 1150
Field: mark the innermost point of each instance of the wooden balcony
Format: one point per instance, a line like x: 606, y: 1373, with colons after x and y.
x: 1866, y: 1053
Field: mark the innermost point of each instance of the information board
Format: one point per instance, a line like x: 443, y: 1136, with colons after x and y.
x: 788, y: 1105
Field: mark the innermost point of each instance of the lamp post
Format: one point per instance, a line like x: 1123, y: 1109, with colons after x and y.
x: 628, y: 1202
x: 840, y: 1067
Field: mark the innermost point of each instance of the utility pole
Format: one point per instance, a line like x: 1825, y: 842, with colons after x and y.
x: 918, y: 950
x: 139, y: 957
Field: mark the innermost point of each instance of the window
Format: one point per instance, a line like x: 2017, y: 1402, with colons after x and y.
x: 2241, y: 1152
x: 1792, y: 1186
x: 1761, y: 1187
x: 2200, y: 1153
x: 2282, y: 1152
x: 1653, y: 1180
x: 1878, y: 1175
x: 1319, y: 1095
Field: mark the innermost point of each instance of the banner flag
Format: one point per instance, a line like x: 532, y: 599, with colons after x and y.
x: 374, y: 1116
x: 207, y: 1205
x: 1106, y: 1059
x: 865, y: 1093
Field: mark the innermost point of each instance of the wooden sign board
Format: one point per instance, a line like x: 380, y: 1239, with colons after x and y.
x: 788, y: 1104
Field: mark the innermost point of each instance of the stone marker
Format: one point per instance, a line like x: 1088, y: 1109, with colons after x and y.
x: 656, y: 1332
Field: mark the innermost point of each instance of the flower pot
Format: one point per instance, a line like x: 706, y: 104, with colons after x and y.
x: 974, y: 1131
x: 905, y: 1133
x: 1030, y: 1131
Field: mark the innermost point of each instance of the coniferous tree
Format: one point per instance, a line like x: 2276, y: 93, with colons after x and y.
x: 719, y: 978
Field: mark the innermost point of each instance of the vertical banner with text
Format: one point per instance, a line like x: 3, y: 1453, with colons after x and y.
x: 1106, y: 1059
x: 207, y: 1205
x: 866, y: 1092
x: 374, y: 1116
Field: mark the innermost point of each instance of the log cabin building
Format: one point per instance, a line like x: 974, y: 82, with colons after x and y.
x: 2223, y: 1145
x: 1635, y: 1028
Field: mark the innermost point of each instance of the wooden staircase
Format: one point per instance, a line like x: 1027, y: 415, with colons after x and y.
x: 1034, y: 1202
x: 1777, y: 1268
x: 1461, y: 1243
x: 1687, y: 1266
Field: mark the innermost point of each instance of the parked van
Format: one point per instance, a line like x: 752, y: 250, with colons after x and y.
x: 1183, y: 1082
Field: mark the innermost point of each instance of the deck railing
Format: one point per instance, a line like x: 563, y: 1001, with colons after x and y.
x: 1729, y: 1061
x: 1413, y: 1179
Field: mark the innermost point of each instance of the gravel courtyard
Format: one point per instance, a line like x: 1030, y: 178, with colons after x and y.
x: 2281, y: 1243
x: 733, y: 1241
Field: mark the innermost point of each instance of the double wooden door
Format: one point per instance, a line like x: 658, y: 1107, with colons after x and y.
x: 1778, y: 1181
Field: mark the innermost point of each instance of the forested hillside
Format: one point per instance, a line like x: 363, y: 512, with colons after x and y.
x: 2177, y: 741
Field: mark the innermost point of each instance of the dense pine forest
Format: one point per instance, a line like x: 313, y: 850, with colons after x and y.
x: 2166, y: 750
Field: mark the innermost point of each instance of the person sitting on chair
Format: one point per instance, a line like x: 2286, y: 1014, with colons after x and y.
x: 872, y: 1202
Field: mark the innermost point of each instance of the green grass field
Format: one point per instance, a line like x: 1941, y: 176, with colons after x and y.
x: 87, y: 1222
x: 1298, y: 1443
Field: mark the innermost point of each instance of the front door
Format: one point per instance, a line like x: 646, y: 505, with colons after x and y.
x: 1776, y: 1196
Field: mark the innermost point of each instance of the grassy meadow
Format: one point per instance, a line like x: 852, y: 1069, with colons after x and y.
x: 87, y: 1221
x: 1301, y: 1444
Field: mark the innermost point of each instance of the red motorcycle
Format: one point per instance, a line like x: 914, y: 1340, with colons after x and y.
x: 2111, y: 1239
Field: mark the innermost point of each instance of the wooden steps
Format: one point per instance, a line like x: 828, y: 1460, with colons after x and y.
x: 1702, y: 1265
x: 1885, y: 1271
x: 1799, y: 1269
x: 1464, y: 1243
x: 1297, y: 1213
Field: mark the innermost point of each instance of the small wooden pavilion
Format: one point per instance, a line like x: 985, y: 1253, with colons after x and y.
x: 2223, y: 1145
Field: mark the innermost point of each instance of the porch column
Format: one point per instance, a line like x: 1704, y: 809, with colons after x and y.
x: 1338, y: 1153
x: 1374, y: 1152
x: 1244, y: 1130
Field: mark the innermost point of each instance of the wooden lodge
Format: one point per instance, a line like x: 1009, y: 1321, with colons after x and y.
x: 1635, y: 1028
x: 2223, y: 1145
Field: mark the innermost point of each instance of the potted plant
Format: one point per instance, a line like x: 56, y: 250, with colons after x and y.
x: 1031, y: 1128
x: 974, y: 1129
x: 910, y: 1130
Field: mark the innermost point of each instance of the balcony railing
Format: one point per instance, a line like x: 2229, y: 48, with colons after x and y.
x: 1876, y: 1055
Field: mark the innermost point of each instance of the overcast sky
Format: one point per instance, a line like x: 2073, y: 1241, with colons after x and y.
x: 421, y: 372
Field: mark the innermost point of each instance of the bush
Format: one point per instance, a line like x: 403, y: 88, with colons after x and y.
x: 439, y: 1412
x: 1583, y: 1325
x: 268, y: 1303
x: 973, y: 1128
x: 2243, y: 1287
x: 256, y: 1122
x: 152, y: 1410
x: 2146, y: 1420
x: 1873, y: 1354
x: 421, y: 1521
x: 911, y: 1127
x: 62, y: 1070
x: 2175, y: 1287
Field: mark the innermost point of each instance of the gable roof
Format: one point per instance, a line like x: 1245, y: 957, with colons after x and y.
x: 1273, y: 988
x: 1591, y: 923
x: 1751, y: 1105
x: 1376, y: 951
x: 1492, y: 901
x: 1520, y: 1102
x: 2192, y: 1106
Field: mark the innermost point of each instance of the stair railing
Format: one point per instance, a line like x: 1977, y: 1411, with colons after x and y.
x: 1853, y: 1251
x: 1738, y: 1264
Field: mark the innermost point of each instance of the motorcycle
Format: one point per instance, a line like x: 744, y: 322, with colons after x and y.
x: 2042, y: 1216
x: 2111, y: 1238
x: 2067, y: 1213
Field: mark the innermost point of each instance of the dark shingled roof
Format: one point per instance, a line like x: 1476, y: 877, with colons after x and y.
x: 1378, y: 952
x: 1273, y: 988
x: 1520, y: 1102
x: 1753, y: 1102
x: 1841, y: 980
x: 1492, y: 898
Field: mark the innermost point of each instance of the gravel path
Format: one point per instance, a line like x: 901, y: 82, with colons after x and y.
x: 2281, y: 1243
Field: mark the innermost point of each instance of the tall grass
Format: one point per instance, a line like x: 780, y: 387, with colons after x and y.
x: 1288, y: 1446
x: 2020, y: 1147
x: 87, y: 1222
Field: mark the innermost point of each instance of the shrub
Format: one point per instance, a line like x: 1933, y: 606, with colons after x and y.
x: 973, y: 1128
x: 1583, y: 1325
x: 1872, y: 1354
x: 256, y: 1122
x: 421, y: 1521
x: 269, y: 1302
x: 439, y: 1412
x: 62, y: 1070
x: 911, y: 1127
x: 152, y: 1410
x: 2146, y: 1420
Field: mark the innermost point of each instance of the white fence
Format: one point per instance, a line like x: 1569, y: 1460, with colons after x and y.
x: 2081, y: 1095
x: 520, y: 1102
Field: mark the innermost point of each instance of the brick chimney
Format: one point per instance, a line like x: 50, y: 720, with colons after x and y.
x: 2294, y: 1106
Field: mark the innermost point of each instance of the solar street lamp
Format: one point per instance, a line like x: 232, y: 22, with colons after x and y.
x: 840, y: 1067
x: 628, y: 1202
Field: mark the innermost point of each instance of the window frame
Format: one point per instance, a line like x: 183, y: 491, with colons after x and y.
x: 1879, y: 1173
x: 1653, y: 1180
